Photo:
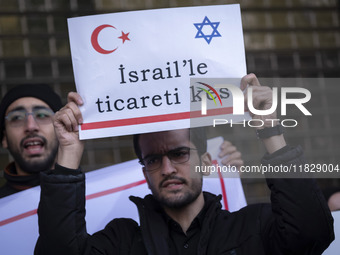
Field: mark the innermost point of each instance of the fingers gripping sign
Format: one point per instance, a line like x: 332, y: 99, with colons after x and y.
x: 262, y: 99
x: 66, y: 122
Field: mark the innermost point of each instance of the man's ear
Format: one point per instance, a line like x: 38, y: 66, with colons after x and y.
x: 146, y: 176
x: 4, y: 140
x: 206, y: 161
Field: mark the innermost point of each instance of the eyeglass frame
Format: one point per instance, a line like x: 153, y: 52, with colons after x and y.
x: 161, y: 155
x: 23, y: 110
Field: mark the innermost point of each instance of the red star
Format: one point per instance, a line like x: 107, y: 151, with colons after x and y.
x: 124, y: 37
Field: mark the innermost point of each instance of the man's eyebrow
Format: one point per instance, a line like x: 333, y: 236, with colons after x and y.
x: 18, y: 108
x: 151, y: 155
x: 40, y: 107
x: 156, y: 154
x: 22, y: 108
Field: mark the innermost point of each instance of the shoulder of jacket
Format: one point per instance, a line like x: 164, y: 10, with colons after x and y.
x: 123, y: 226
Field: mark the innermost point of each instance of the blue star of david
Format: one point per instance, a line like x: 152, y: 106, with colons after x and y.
x: 207, y: 22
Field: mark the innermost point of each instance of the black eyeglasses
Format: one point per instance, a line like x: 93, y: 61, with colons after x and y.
x: 17, y: 118
x: 176, y: 156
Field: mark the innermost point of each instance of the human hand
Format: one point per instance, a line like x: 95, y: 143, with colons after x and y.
x: 66, y: 122
x: 334, y: 201
x: 230, y: 155
x: 262, y: 98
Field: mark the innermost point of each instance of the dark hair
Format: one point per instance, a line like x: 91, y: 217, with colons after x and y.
x: 197, y: 136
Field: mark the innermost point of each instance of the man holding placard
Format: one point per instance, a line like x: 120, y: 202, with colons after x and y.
x: 178, y: 218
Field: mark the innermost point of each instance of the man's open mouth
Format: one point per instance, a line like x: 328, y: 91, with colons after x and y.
x: 33, y: 146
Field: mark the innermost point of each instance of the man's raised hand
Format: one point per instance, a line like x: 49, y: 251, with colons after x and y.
x: 66, y: 122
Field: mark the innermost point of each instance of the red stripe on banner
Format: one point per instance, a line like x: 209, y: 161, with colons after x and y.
x: 114, y: 190
x: 224, y: 192
x: 155, y: 118
x: 88, y: 197
x: 18, y: 217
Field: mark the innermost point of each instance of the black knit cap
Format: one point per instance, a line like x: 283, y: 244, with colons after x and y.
x: 40, y: 91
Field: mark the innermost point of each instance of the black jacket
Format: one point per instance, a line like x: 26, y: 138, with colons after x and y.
x: 297, y: 221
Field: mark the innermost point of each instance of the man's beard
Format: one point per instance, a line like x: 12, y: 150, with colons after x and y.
x: 186, y: 199
x: 35, y: 166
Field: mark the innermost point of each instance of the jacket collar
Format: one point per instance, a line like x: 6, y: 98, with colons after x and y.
x: 18, y: 182
x: 152, y: 224
x: 155, y: 230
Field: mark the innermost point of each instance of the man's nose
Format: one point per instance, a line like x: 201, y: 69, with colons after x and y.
x: 167, y: 167
x: 30, y: 123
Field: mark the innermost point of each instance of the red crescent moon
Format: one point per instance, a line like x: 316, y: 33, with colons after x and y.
x: 94, y: 40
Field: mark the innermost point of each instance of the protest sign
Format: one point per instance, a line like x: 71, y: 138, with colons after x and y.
x: 107, y: 192
x: 334, y: 247
x: 133, y: 69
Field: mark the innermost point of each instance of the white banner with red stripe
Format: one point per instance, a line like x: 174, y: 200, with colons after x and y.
x: 133, y: 69
x: 107, y: 192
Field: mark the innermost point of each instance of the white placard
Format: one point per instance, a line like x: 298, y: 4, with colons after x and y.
x: 133, y: 69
